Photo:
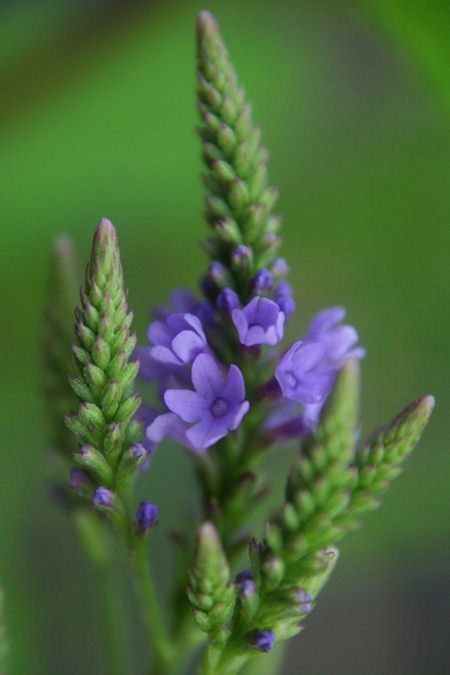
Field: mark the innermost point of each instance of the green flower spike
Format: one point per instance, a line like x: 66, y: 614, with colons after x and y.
x: 104, y: 423
x: 239, y: 201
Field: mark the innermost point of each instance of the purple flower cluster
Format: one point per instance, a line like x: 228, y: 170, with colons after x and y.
x: 201, y: 399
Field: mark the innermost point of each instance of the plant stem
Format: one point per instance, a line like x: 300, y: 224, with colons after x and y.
x: 158, y: 638
x: 96, y: 544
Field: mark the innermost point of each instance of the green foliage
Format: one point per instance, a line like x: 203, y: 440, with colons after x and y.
x: 239, y: 201
x: 104, y: 424
x: 61, y: 298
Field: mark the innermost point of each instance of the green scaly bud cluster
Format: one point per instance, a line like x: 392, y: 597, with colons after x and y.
x: 61, y: 298
x: 210, y: 591
x: 104, y: 423
x: 382, y: 457
x: 239, y: 200
x: 329, y: 488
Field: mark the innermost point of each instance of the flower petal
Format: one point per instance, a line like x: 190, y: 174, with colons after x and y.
x: 234, y: 390
x: 187, y: 404
x: 207, y: 377
x: 187, y: 345
x: 206, y: 433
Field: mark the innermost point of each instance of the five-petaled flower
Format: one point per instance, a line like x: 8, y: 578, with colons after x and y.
x: 215, y: 407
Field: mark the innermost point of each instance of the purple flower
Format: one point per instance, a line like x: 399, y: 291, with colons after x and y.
x: 339, y: 341
x: 177, y: 340
x: 103, y: 497
x: 262, y: 281
x: 301, y: 374
x: 245, y: 584
x: 307, y: 371
x: 227, y: 300
x: 147, y: 515
x: 284, y: 298
x: 217, y: 405
x: 259, y: 322
x: 263, y: 640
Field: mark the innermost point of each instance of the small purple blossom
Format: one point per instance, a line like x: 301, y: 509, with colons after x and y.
x: 168, y: 425
x: 103, y: 497
x: 262, y: 281
x: 259, y: 322
x: 245, y: 583
x: 147, y: 515
x: 279, y: 268
x: 263, y: 640
x: 301, y: 374
x: 339, y: 341
x: 215, y: 407
x: 284, y: 298
x: 177, y: 340
x: 307, y: 371
x: 227, y: 300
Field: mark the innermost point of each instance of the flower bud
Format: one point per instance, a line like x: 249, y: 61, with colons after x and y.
x: 147, y: 515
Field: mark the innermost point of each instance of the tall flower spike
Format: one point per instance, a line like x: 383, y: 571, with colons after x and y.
x: 61, y: 298
x: 104, y: 423
x: 239, y: 200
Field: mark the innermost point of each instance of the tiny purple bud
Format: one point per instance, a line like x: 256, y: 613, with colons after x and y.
x: 279, y: 268
x: 78, y: 479
x: 245, y: 584
x: 263, y: 640
x: 304, y: 600
x: 139, y: 451
x: 242, y: 254
x: 217, y: 273
x: 227, y: 300
x: 147, y: 515
x: 103, y: 497
x: 262, y: 281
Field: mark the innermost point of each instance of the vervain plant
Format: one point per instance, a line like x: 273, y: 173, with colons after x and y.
x: 231, y: 393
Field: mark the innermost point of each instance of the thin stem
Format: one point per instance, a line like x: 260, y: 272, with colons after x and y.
x: 113, y: 637
x: 158, y: 638
x: 96, y: 544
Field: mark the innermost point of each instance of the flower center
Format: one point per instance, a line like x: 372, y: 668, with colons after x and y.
x: 219, y: 408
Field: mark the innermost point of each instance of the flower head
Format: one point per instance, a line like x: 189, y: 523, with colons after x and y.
x: 338, y: 341
x: 260, y: 322
x: 215, y: 407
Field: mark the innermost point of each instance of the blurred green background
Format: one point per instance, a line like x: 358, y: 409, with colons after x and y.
x: 97, y: 119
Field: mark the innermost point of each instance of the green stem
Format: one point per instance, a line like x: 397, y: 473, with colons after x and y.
x: 158, y: 638
x: 96, y: 544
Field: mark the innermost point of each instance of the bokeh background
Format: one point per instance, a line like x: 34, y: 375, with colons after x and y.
x: 97, y: 119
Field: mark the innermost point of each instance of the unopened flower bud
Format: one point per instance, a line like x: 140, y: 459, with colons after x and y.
x: 263, y: 640
x: 227, y: 300
x: 147, y: 515
x: 262, y: 281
